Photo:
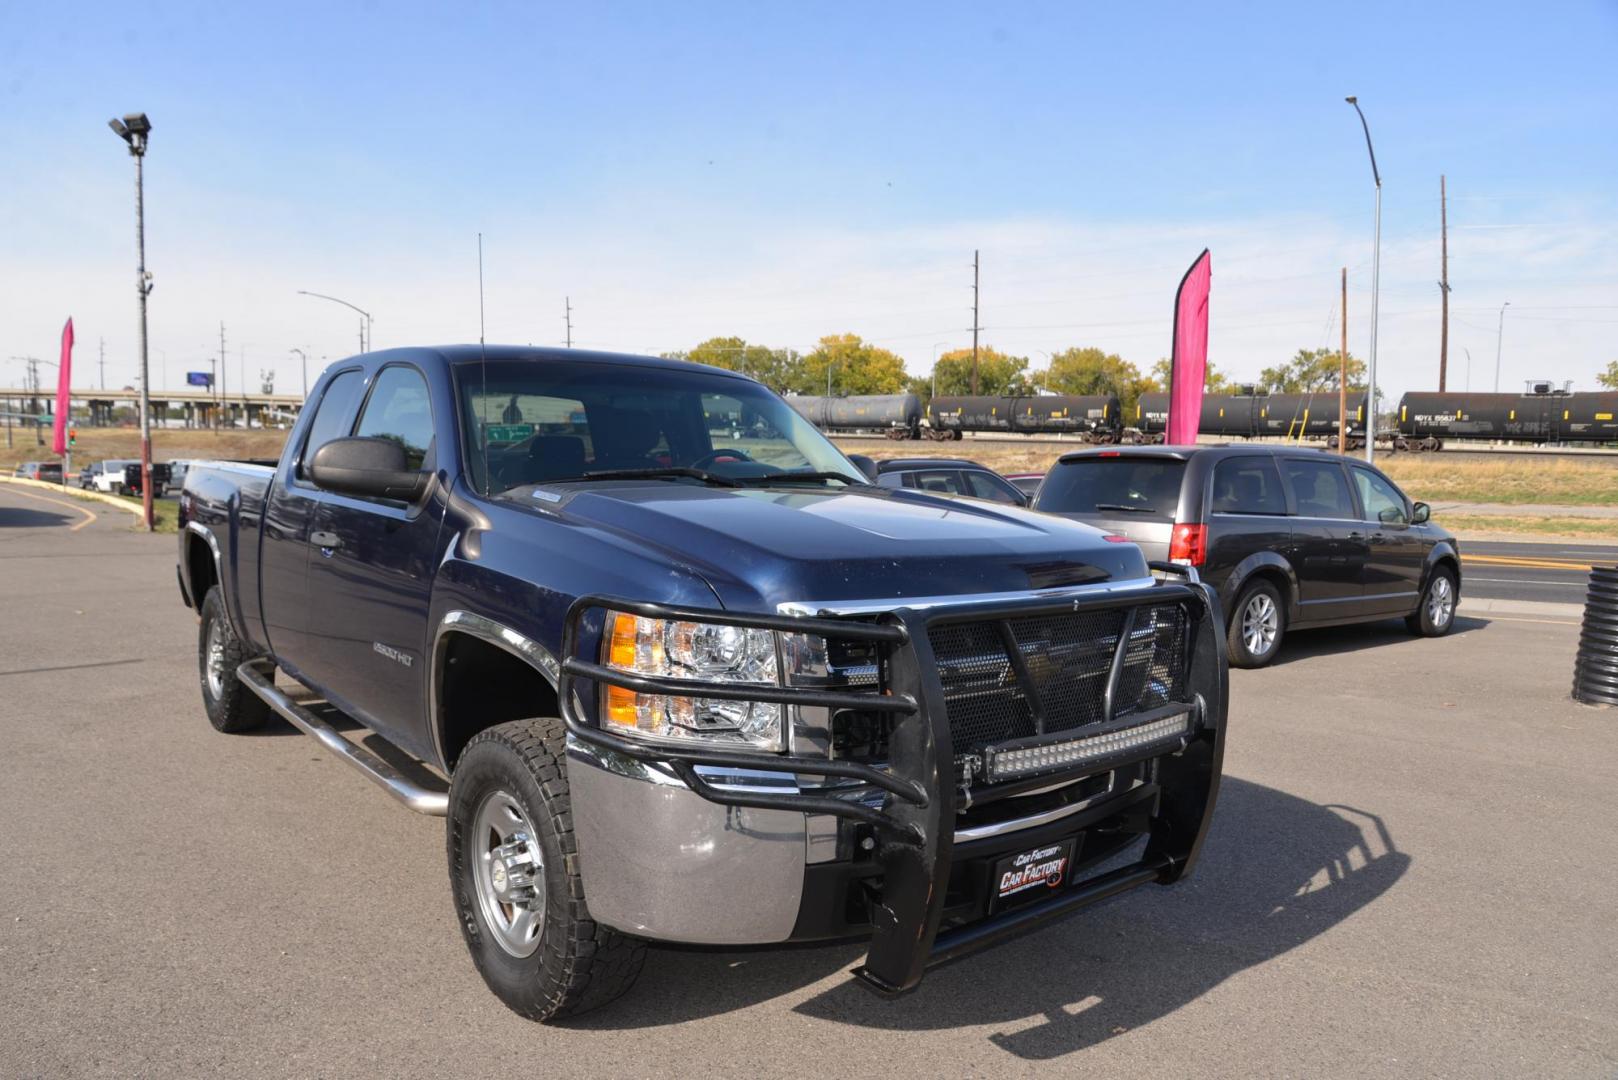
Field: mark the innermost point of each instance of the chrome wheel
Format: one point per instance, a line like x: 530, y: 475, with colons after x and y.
x: 1440, y: 602
x: 508, y: 872
x: 1261, y: 622
x: 216, y: 660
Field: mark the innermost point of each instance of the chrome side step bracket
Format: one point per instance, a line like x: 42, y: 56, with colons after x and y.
x: 421, y: 799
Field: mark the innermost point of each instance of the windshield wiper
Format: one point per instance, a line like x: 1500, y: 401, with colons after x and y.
x: 784, y: 477
x: 663, y: 472
x: 1126, y: 509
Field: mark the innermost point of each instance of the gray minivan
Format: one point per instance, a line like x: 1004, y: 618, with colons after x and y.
x: 1289, y: 537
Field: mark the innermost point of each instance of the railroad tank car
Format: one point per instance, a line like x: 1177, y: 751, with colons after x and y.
x: 1098, y: 417
x: 899, y: 415
x: 1554, y: 417
x: 1243, y: 416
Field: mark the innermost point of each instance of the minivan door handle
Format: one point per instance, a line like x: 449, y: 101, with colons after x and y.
x: 325, y: 541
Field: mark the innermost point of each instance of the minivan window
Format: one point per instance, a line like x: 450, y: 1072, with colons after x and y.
x: 946, y: 482
x: 331, y: 413
x: 1320, y: 489
x: 1104, y: 485
x: 985, y: 486
x: 1381, y: 502
x: 1248, y: 485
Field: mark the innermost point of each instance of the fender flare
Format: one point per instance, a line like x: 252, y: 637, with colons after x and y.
x: 1268, y: 561
x: 482, y: 628
x: 1442, y: 551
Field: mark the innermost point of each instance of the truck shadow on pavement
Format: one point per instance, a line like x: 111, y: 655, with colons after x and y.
x: 1277, y: 871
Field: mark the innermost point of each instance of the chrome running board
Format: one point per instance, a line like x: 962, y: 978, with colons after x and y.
x: 420, y: 799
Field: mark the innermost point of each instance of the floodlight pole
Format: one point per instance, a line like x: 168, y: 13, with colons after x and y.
x: 1499, y: 337
x: 134, y: 129
x: 305, y: 358
x: 1376, y: 284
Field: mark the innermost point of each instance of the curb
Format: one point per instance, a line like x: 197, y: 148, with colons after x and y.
x: 1542, y: 608
x: 76, y: 493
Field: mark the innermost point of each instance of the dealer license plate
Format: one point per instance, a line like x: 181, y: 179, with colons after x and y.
x: 1029, y: 875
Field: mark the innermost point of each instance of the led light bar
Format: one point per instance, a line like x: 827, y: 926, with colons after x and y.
x: 1011, y: 760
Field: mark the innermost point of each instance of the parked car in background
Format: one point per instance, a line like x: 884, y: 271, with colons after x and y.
x: 1289, y: 537
x: 49, y: 472
x: 1026, y: 482
x: 177, y: 471
x: 107, y: 476
x: 87, y: 477
x: 132, y: 479
x: 949, y: 476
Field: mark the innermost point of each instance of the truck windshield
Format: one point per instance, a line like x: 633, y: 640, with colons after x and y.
x: 548, y: 421
x: 1109, y: 485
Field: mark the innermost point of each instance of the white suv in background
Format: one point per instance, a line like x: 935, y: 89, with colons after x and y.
x: 107, y: 477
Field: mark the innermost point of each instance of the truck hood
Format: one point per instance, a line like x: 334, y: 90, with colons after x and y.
x: 760, y: 548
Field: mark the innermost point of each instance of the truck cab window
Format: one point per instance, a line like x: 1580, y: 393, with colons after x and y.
x: 399, y: 409
x: 331, y: 415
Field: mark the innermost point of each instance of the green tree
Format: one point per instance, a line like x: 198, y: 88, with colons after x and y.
x: 1214, y: 381
x: 1311, y: 371
x: 776, y: 368
x: 1609, y: 378
x: 998, y: 373
x: 856, y: 367
x: 1092, y: 371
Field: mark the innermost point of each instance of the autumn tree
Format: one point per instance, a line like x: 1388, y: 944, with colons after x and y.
x: 1214, y: 381
x: 998, y: 374
x: 1092, y: 371
x: 1312, y: 371
x: 855, y: 366
x: 779, y: 369
x: 1609, y: 378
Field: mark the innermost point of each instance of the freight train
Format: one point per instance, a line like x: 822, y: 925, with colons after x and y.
x: 1096, y: 418
x: 1426, y: 421
x: 1247, y: 416
x: 896, y: 415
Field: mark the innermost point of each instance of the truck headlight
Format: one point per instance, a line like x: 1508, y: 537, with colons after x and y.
x: 692, y: 650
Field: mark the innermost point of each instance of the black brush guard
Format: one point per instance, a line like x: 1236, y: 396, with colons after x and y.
x: 915, y: 825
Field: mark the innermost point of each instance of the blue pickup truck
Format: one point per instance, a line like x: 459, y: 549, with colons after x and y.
x: 675, y: 670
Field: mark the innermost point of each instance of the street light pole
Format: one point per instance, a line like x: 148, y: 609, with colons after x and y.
x: 1376, y: 285
x: 1499, y: 337
x: 305, y: 358
x: 134, y: 129
x: 365, y: 327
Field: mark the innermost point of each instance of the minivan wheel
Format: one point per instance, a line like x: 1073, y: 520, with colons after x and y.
x: 1436, y: 613
x: 1257, y: 625
x: 514, y: 875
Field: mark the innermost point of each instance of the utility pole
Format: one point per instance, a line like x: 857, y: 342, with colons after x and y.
x: 567, y: 315
x: 1342, y: 376
x: 1443, y: 283
x: 1499, y: 336
x: 219, y: 387
x: 103, y: 363
x: 974, y: 322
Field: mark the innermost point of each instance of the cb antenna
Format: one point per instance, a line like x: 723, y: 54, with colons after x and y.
x: 483, y: 364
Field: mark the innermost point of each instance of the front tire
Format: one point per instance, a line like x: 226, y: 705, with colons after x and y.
x: 1435, y: 615
x: 514, y: 875
x: 1257, y: 625
x: 231, y: 706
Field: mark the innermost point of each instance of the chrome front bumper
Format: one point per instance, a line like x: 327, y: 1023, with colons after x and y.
x: 661, y: 861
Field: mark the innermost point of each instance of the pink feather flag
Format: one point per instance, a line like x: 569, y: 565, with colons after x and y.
x: 1189, y: 365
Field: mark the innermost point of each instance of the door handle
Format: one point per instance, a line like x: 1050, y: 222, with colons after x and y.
x: 325, y: 541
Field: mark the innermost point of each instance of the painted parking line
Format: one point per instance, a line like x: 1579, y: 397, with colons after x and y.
x: 88, y: 516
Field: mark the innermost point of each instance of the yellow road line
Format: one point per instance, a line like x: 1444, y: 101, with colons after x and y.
x: 88, y: 516
x: 1533, y: 562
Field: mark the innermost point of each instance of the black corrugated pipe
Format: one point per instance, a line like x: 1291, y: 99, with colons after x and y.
x: 1595, y: 671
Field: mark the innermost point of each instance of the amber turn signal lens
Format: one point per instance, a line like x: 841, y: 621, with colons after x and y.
x: 621, y: 651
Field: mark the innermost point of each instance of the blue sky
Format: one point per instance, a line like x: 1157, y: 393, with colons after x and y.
x: 784, y: 172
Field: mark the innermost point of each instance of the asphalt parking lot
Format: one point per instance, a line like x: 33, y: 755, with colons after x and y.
x: 1412, y: 871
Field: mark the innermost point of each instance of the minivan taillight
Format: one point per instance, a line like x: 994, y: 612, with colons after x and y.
x: 1188, y: 544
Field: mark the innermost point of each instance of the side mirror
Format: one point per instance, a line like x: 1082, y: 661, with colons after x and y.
x: 867, y: 466
x: 369, y: 467
x: 1420, y: 514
